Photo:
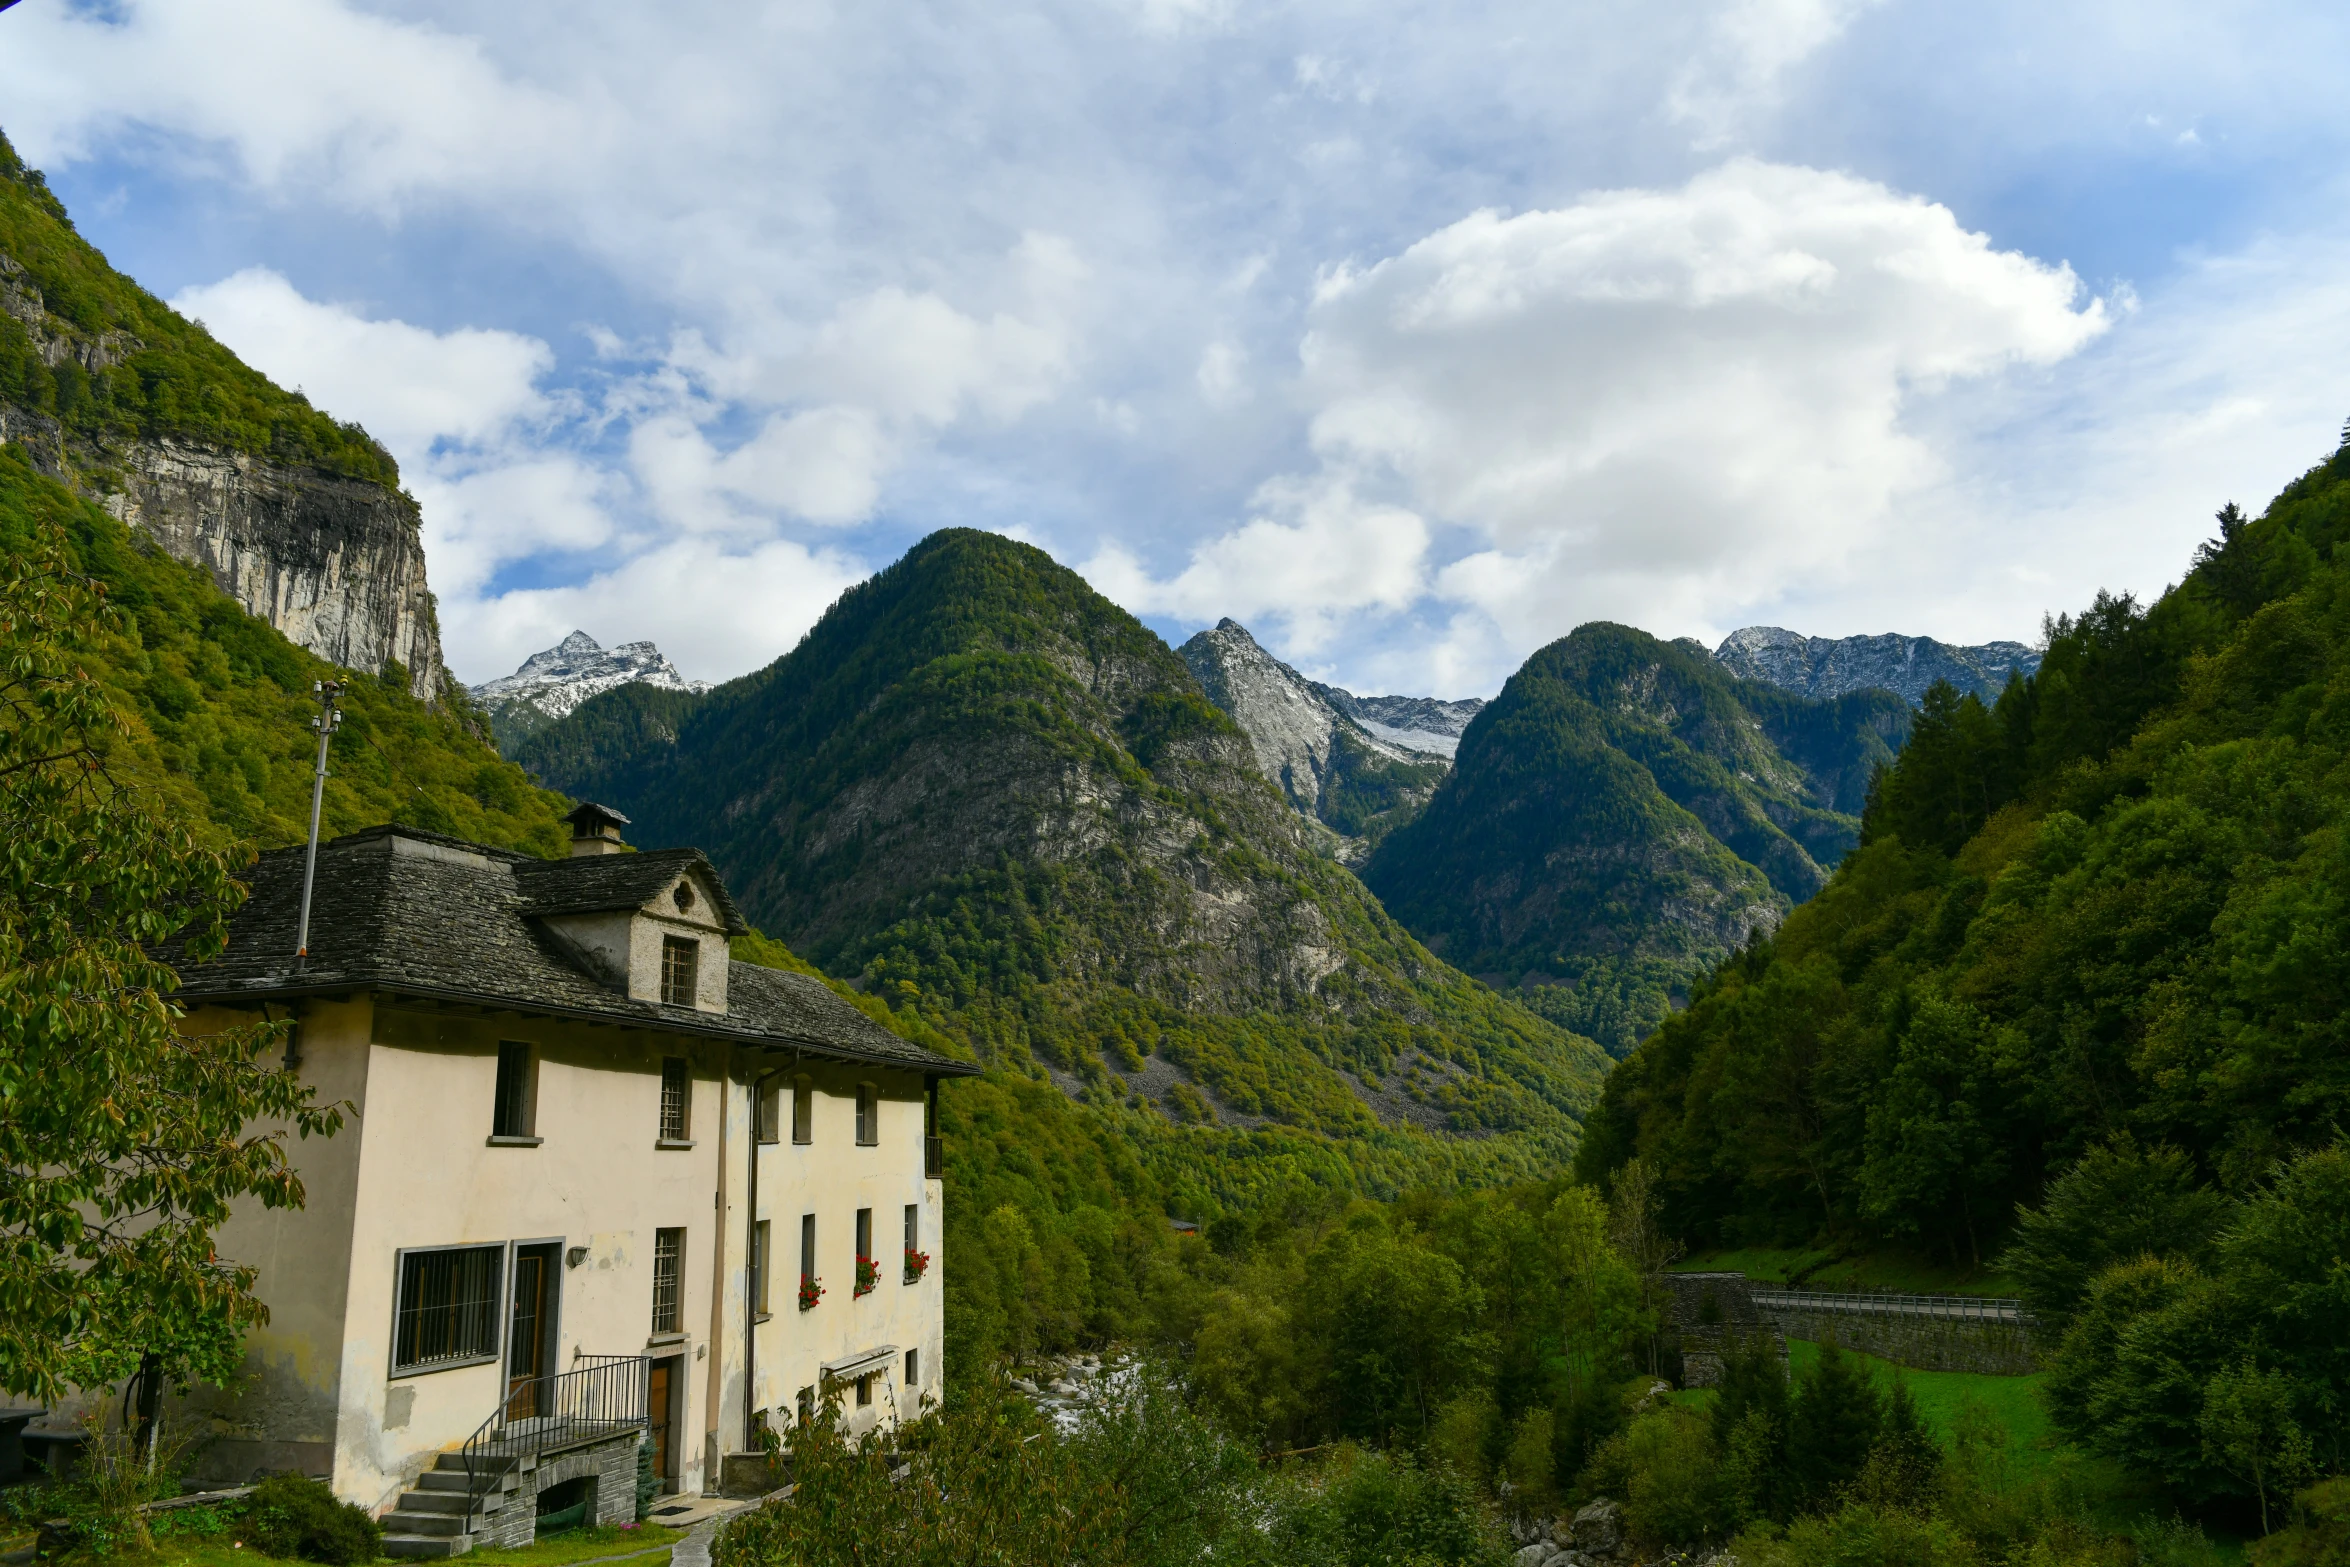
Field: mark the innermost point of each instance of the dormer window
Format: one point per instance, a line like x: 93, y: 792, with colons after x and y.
x: 679, y: 957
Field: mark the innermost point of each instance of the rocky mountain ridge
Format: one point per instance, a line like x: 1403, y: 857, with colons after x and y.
x: 1823, y: 668
x: 1426, y: 724
x: 108, y: 391
x: 995, y: 798
x: 1623, y: 815
x: 1338, y: 773
x: 554, y: 681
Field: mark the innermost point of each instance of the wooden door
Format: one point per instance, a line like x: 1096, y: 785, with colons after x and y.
x: 526, y: 1343
x: 659, y: 1389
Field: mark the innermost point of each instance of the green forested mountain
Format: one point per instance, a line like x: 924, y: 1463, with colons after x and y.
x: 127, y: 365
x: 1004, y: 806
x: 218, y: 704
x: 2115, y: 903
x: 1624, y: 815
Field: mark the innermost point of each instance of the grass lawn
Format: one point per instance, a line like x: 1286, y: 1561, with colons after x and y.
x: 577, y: 1545
x: 1825, y: 1270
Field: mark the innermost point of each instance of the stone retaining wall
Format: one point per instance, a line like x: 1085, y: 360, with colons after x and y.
x: 1989, y: 1348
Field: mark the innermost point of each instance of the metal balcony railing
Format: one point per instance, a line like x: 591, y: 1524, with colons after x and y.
x: 602, y: 1396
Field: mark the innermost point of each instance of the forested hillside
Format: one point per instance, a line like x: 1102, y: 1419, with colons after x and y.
x: 1622, y: 817
x: 2114, y: 901
x: 1002, y: 805
x: 219, y: 704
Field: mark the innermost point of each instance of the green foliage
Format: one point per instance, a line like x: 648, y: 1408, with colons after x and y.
x: 2229, y: 1376
x: 298, y: 1519
x: 1486, y: 1327
x: 1373, y: 1509
x: 132, y: 368
x: 2116, y: 902
x: 1619, y: 819
x: 2319, y: 1535
x: 2117, y: 1203
x: 123, y: 1142
x: 1143, y: 1479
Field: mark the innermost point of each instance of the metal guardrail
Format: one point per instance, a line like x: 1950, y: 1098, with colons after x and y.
x: 604, y: 1396
x: 1889, y: 1303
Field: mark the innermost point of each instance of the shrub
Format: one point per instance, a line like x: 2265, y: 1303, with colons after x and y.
x: 298, y: 1518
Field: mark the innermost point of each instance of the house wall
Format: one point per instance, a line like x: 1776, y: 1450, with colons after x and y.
x: 414, y: 1168
x: 596, y: 1180
x: 832, y: 1177
x: 285, y: 1416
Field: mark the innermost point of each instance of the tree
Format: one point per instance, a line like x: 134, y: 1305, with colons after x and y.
x: 2118, y: 1201
x: 2250, y: 1433
x: 1831, y: 1427
x: 123, y: 1141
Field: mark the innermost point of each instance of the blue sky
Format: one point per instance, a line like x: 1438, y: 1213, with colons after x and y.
x: 1412, y: 335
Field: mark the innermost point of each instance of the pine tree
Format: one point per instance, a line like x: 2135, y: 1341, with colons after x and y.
x: 1831, y: 1428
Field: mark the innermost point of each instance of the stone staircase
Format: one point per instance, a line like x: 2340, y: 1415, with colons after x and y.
x: 430, y: 1520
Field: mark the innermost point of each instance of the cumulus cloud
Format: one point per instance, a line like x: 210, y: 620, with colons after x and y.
x: 1645, y: 404
x: 410, y: 386
x: 1316, y: 547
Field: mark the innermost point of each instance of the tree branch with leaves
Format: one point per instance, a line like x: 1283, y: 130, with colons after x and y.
x: 124, y: 1140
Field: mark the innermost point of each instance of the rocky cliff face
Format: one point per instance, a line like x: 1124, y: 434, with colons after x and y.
x: 1826, y: 667
x: 299, y: 519
x: 551, y: 683
x: 1337, y: 771
x: 335, y: 563
x: 1426, y: 724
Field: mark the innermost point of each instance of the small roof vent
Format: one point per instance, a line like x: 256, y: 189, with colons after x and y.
x: 595, y: 829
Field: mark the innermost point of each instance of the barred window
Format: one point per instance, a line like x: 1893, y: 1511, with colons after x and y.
x: 676, y: 1095
x: 678, y: 957
x: 668, y: 1270
x: 761, y: 1247
x: 447, y: 1309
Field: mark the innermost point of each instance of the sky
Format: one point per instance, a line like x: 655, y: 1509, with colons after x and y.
x: 1411, y: 335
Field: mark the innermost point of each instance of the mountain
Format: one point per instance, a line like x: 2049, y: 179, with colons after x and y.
x: 2105, y: 912
x: 298, y: 518
x: 1416, y: 723
x: 1624, y: 814
x: 551, y: 683
x: 1336, y: 771
x: 1824, y: 668
x: 1000, y: 803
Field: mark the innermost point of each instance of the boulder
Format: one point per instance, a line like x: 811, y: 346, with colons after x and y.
x: 1599, y: 1528
x: 1538, y: 1554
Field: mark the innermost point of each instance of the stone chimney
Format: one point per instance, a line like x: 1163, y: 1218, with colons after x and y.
x: 595, y: 830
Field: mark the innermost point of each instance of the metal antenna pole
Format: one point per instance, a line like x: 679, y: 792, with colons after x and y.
x: 324, y: 723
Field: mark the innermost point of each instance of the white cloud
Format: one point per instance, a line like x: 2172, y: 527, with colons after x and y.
x: 1316, y: 548
x: 715, y: 611
x: 410, y: 386
x: 1747, y: 49
x: 1643, y: 406
x: 823, y: 465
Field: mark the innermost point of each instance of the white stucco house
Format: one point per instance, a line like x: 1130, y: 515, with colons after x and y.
x: 601, y: 1186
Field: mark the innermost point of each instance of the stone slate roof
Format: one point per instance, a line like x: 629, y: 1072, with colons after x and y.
x: 593, y: 883
x: 413, y: 913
